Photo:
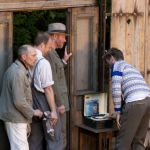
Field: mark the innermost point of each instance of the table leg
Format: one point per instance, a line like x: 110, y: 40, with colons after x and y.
x: 101, y: 141
x: 109, y: 140
x: 105, y: 141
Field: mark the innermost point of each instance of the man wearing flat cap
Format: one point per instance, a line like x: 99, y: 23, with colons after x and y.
x: 57, y: 31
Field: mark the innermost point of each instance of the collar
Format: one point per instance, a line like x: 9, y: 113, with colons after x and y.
x: 21, y: 65
x: 38, y: 52
x: 54, y: 51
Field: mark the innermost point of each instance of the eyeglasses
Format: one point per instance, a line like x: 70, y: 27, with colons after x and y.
x: 106, y: 52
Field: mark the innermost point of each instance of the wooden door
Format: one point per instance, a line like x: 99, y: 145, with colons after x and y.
x: 5, y: 60
x: 5, y: 42
x: 84, y: 63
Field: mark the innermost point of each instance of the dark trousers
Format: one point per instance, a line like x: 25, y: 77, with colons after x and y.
x: 39, y: 139
x: 134, y: 124
x: 4, y: 142
x: 64, y: 130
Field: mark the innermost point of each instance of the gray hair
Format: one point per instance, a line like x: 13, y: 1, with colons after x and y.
x: 23, y: 50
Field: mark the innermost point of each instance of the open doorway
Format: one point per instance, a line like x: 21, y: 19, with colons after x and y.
x: 27, y: 24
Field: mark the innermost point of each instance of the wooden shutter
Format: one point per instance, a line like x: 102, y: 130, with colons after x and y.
x: 84, y: 62
x: 84, y: 42
x: 5, y: 60
x: 5, y: 42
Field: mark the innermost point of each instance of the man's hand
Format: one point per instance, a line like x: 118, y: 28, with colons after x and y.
x: 66, y: 55
x: 118, y: 120
x: 116, y: 115
x: 61, y: 109
x: 54, y: 117
x: 113, y: 115
x: 38, y: 113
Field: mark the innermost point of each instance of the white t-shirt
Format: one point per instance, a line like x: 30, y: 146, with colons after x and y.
x: 43, y: 73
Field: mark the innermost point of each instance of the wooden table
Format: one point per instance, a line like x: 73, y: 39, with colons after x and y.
x: 103, y: 136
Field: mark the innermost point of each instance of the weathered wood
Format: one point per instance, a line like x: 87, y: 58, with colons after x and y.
x: 118, y: 32
x: 147, y: 42
x: 5, y: 60
x: 128, y: 31
x: 39, y: 5
x: 85, y: 34
x: 5, y: 42
x: 95, y: 139
x: 128, y: 6
x: 147, y: 56
x: 118, y: 41
x: 134, y: 37
x: 83, y: 45
x: 14, y: 1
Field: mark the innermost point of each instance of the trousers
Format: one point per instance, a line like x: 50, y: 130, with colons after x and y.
x: 134, y: 123
x: 39, y: 139
x: 17, y: 134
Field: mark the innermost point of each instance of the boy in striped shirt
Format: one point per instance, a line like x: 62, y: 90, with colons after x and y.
x: 130, y: 88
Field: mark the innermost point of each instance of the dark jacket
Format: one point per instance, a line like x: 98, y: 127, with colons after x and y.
x: 60, y: 86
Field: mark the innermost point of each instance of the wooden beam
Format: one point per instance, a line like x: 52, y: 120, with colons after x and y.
x: 40, y: 5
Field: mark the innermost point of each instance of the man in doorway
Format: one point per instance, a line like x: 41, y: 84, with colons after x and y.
x: 16, y: 99
x: 129, y: 87
x: 57, y: 31
x: 42, y: 92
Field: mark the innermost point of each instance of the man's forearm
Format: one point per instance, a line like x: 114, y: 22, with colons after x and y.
x: 50, y: 98
x: 57, y: 93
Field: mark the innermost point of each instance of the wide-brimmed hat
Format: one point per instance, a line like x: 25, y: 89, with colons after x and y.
x: 57, y: 28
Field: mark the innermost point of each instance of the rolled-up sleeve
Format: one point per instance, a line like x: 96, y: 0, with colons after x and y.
x: 45, y: 74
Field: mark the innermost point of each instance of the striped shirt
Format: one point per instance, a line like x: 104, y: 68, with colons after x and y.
x: 127, y: 84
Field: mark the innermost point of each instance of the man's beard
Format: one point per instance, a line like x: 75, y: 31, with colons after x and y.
x: 60, y: 45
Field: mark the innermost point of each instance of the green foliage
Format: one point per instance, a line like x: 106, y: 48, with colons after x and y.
x: 108, y: 6
x: 27, y: 24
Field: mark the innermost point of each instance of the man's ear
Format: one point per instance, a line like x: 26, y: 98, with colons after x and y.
x: 23, y: 57
x: 55, y: 36
x: 113, y: 60
x: 43, y: 45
